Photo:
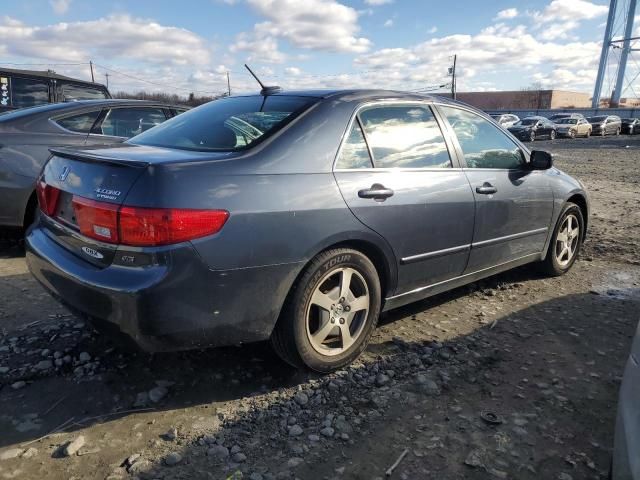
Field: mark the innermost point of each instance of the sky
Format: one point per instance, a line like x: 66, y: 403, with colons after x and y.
x: 190, y: 45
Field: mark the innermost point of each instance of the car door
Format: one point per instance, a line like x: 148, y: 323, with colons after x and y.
x: 514, y: 204
x: 118, y: 124
x: 398, y: 178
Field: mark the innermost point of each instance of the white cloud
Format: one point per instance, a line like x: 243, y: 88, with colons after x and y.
x: 432, y: 30
x: 260, y: 48
x: 293, y: 71
x: 377, y: 2
x: 116, y: 36
x: 60, y: 7
x: 388, y: 23
x: 507, y: 13
x: 496, y: 47
x: 574, y: 10
x: 324, y: 25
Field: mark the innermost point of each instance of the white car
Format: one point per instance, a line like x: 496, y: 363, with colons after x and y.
x: 506, y: 119
x: 626, y: 451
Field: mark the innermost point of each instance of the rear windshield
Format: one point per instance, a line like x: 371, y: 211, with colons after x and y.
x: 597, y: 119
x: 571, y: 121
x: 228, y: 124
x: 528, y: 121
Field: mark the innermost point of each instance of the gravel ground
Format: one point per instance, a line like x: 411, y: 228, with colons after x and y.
x: 512, y: 377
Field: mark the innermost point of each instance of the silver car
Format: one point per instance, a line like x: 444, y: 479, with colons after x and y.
x: 626, y: 453
x: 27, y: 134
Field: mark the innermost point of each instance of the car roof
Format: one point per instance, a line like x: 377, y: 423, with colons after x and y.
x: 361, y: 94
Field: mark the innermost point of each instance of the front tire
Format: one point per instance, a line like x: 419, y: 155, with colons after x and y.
x: 330, y: 313
x: 566, y: 241
x: 588, y: 134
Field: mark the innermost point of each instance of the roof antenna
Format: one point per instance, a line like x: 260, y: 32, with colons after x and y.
x: 265, y: 90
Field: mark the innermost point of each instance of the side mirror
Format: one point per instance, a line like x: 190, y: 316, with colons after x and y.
x: 540, y: 160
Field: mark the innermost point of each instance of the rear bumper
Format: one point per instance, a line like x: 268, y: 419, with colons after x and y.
x: 177, y: 305
x: 626, y: 460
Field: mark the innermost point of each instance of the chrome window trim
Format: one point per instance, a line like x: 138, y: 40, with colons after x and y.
x: 390, y: 102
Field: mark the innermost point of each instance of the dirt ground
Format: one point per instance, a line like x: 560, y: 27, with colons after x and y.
x: 514, y: 377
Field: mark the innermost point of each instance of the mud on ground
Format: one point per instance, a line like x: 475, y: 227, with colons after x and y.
x: 513, y: 377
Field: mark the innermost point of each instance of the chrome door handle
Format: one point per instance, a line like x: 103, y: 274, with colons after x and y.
x: 377, y: 191
x: 486, y: 189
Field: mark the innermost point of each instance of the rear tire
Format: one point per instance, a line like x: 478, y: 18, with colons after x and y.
x: 552, y: 135
x: 588, y: 134
x: 566, y: 241
x: 326, y: 323
x: 532, y: 136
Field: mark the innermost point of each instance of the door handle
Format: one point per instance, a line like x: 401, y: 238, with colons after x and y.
x: 486, y: 189
x: 377, y: 191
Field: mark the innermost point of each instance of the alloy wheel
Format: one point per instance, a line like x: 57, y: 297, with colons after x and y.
x: 567, y: 240
x: 337, y: 312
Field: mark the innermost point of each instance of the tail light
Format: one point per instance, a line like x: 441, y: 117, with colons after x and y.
x: 47, y: 197
x: 137, y: 226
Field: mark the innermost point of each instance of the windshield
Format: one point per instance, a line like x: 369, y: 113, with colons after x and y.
x: 596, y: 119
x: 228, y: 124
x: 559, y: 115
x: 570, y: 121
x: 527, y: 121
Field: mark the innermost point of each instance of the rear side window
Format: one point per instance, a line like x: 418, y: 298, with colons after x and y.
x: 26, y: 92
x: 228, y: 124
x: 72, y: 93
x: 80, y: 123
x: 483, y: 145
x: 128, y: 122
x: 404, y: 137
x: 354, y: 153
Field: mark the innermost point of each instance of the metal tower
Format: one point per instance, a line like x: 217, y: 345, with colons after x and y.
x: 610, y: 43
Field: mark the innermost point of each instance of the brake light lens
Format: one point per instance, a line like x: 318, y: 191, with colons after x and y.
x: 163, y: 226
x: 47, y: 197
x: 144, y: 227
x: 98, y: 220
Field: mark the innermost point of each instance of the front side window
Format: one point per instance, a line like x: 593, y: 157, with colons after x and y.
x: 128, y: 122
x: 483, y: 145
x: 26, y: 92
x: 80, y: 123
x: 404, y: 137
x: 354, y: 153
x: 227, y: 124
x: 73, y: 93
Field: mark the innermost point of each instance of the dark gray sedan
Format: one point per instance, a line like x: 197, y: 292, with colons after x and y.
x: 297, y: 217
x: 27, y: 134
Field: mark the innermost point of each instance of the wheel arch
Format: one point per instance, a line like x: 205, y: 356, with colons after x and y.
x: 581, y: 201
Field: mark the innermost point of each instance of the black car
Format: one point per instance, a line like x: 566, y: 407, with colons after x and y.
x: 630, y: 126
x: 532, y: 128
x: 28, y: 88
x: 27, y: 134
x: 605, y: 125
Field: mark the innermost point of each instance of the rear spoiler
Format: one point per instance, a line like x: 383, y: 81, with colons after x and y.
x: 86, y: 155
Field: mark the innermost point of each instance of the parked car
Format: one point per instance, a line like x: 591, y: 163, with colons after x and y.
x: 27, y: 134
x: 531, y: 128
x: 270, y: 216
x: 605, y: 125
x: 28, y: 88
x: 506, y: 119
x: 630, y: 126
x: 573, y: 127
x: 626, y: 461
x: 559, y: 116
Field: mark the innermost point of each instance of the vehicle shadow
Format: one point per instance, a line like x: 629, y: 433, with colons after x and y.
x: 11, y: 248
x: 568, y: 330
x: 108, y: 392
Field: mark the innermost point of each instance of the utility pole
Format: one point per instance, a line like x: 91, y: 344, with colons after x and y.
x: 91, y: 67
x: 228, y: 84
x: 107, y: 76
x: 453, y: 78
